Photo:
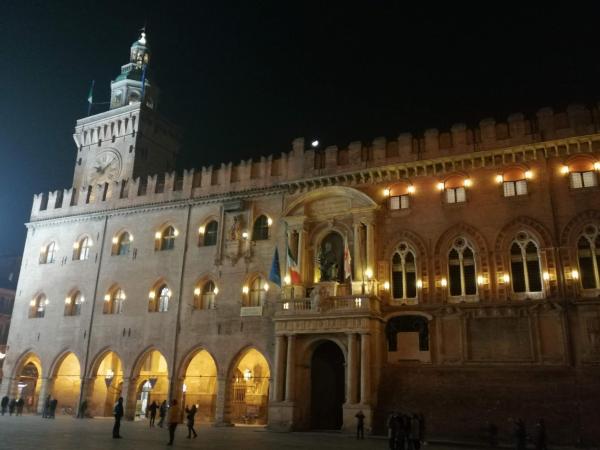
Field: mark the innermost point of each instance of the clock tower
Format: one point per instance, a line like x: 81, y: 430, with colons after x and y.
x: 131, y: 139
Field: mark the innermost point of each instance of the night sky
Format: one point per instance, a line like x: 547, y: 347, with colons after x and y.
x: 245, y: 78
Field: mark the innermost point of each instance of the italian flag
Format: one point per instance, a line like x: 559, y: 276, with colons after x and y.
x: 293, y: 268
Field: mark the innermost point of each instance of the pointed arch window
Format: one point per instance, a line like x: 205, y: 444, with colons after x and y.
x: 404, y: 273
x: 525, y: 265
x: 81, y: 249
x: 73, y: 304
x: 208, y: 234
x: 166, y: 238
x: 114, y: 301
x: 48, y: 254
x: 461, y: 269
x: 258, y: 292
x: 159, y: 299
x: 260, y: 231
x: 205, y: 295
x: 588, y: 255
x: 37, y: 306
x: 122, y: 243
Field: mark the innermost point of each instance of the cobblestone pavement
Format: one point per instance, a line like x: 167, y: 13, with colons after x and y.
x: 65, y: 433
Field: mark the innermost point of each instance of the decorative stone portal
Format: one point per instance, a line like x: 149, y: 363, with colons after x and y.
x: 327, y: 387
x: 107, y: 385
x: 408, y: 339
x: 152, y: 382
x: 28, y: 383
x: 248, y: 390
x: 66, y: 384
x: 200, y: 386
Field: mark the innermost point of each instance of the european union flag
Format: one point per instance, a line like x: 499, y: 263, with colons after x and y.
x: 275, y: 274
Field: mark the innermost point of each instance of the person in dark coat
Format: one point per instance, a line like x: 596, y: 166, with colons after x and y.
x: 152, y: 412
x: 46, y: 410
x: 540, y: 435
x: 360, y: 425
x: 118, y: 413
x: 520, y: 435
x: 415, y: 432
x: 173, y: 420
x: 396, y: 431
x: 4, y: 404
x: 11, y: 407
x: 20, y: 404
x: 191, y: 417
x: 53, y: 405
x: 162, y: 412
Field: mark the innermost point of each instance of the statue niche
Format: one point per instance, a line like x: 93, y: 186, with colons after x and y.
x: 330, y: 258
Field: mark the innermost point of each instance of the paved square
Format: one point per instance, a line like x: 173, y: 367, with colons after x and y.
x: 64, y: 433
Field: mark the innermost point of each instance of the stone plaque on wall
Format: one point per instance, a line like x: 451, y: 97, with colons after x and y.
x: 499, y: 339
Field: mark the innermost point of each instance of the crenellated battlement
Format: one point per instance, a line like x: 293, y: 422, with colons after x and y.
x: 302, y: 163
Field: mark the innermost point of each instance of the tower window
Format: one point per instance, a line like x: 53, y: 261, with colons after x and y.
x: 37, y: 306
x: 404, y: 273
x: 208, y: 233
x: 114, y: 301
x: 48, y: 254
x: 525, y: 265
x: 159, y: 299
x: 588, y: 255
x: 260, y: 231
x: 514, y: 188
x: 583, y: 179
x: 461, y: 269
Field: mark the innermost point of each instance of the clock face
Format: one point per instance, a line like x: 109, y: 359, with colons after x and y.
x: 105, y: 167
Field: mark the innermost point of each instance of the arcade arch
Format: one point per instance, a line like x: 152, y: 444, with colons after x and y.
x: 67, y: 383
x: 107, y: 385
x: 200, y: 385
x: 248, y: 390
x: 152, y: 381
x: 27, y: 384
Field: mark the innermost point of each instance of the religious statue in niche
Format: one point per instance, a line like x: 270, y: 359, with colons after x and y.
x: 235, y: 231
x: 330, y: 258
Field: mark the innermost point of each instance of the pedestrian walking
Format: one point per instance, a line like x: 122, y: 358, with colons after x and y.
x: 191, y: 417
x: 11, y: 406
x: 540, y: 435
x: 20, y: 404
x: 173, y: 420
x: 152, y: 409
x: 520, y: 435
x: 162, y: 413
x: 396, y: 431
x: 53, y: 406
x: 4, y: 404
x: 118, y: 413
x: 415, y: 432
x: 360, y: 425
x: 46, y: 410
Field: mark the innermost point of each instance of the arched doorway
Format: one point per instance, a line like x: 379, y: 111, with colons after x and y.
x: 108, y: 381
x: 152, y: 382
x: 200, y: 385
x: 249, y: 389
x: 27, y: 382
x: 67, y: 383
x: 327, y: 387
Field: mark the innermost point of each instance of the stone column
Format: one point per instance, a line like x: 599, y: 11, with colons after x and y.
x: 290, y: 369
x: 279, y: 368
x: 45, y: 390
x: 365, y: 368
x: 357, y: 257
x: 220, y: 400
x: 129, y: 394
x: 351, y: 391
x: 87, y: 392
x: 370, y: 248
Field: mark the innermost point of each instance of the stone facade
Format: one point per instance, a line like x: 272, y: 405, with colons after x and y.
x: 495, y: 314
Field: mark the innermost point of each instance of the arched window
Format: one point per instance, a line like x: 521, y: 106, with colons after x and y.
x: 204, y: 297
x: 165, y: 239
x: 114, y: 301
x: 461, y: 269
x: 404, y: 273
x: 122, y: 243
x: 260, y: 231
x: 258, y: 292
x: 81, y: 249
x: 209, y: 237
x: 37, y: 306
x: 159, y: 299
x: 48, y: 254
x: 588, y: 255
x: 525, y: 265
x: 73, y: 304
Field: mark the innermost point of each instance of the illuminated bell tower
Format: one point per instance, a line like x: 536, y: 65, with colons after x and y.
x: 131, y: 139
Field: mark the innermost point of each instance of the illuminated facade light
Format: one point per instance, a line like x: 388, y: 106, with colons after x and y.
x: 467, y: 182
x: 506, y: 278
x: 546, y: 276
x: 245, y: 289
x: 528, y: 174
x: 269, y: 221
x: 107, y: 298
x: 440, y: 186
x: 369, y: 273
x: 575, y: 274
x: 419, y: 284
x: 201, y: 230
x: 245, y: 235
x: 287, y: 279
x: 157, y: 235
x: 444, y: 282
x: 480, y: 280
x: 564, y: 169
x: 151, y: 295
x: 197, y: 291
x: 115, y: 240
x: 499, y: 178
x: 76, y: 245
x: 386, y: 192
x: 266, y: 286
x: 68, y: 300
x: 597, y: 166
x: 411, y: 189
x: 216, y: 290
x: 386, y: 285
x: 176, y: 232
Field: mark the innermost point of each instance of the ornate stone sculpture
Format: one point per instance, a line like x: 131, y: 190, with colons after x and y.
x: 236, y: 229
x: 328, y: 263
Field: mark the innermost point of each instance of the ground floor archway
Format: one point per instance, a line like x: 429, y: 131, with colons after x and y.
x: 152, y: 382
x: 107, y: 385
x: 327, y: 387
x: 27, y: 383
x: 200, y: 385
x: 248, y: 390
x: 66, y: 384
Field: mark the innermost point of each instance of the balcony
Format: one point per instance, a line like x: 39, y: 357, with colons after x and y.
x: 339, y: 305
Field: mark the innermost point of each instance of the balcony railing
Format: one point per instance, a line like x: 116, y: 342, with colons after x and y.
x: 354, y: 304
